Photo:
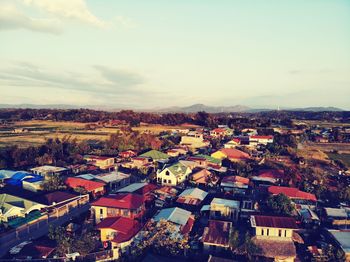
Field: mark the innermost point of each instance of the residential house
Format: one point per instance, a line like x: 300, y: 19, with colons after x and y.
x: 271, y: 176
x: 118, y: 233
x: 216, y: 236
x: 274, y: 237
x: 175, y: 152
x: 204, y: 177
x: 48, y: 171
x: 127, y: 154
x: 181, y: 218
x: 138, y: 162
x: 297, y: 196
x: 232, y: 154
x: 12, y: 207
x: 224, y: 209
x: 144, y: 189
x: 194, y: 140
x: 192, y: 197
x: 235, y: 184
x: 336, y: 217
x: 114, y: 180
x: 155, y: 155
x: 102, y: 162
x: 233, y: 143
x: 260, y: 140
x: 341, y: 239
x: 95, y: 189
x: 173, y: 174
x: 221, y: 132
x: 125, y: 205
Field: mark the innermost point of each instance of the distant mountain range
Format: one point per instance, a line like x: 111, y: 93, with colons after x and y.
x: 176, y: 109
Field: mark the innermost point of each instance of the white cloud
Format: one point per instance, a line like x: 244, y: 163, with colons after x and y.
x: 11, y: 18
x: 71, y: 9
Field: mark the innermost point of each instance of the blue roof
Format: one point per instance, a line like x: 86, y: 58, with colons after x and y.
x: 132, y: 187
x: 18, y: 177
x: 176, y: 215
x: 4, y: 174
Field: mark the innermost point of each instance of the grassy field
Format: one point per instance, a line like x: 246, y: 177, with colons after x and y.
x: 40, y: 131
x: 320, y: 123
x: 345, y: 158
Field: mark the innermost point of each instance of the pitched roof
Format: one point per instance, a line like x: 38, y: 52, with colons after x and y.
x: 8, y: 201
x: 272, y: 173
x: 139, y: 188
x: 273, y: 221
x: 210, y: 159
x: 194, y: 193
x: 291, y: 192
x: 202, y: 176
x: 55, y: 197
x: 122, y: 201
x: 155, y: 155
x: 89, y: 185
x: 274, y: 248
x: 234, y: 153
x: 177, y: 168
x: 126, y: 228
x: 176, y: 215
x: 261, y: 137
x: 217, y: 233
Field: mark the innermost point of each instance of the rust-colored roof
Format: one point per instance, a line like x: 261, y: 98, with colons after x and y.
x: 273, y: 221
x: 234, y: 153
x: 235, y: 179
x: 217, y: 233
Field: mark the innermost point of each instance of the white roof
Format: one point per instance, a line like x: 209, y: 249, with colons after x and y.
x: 176, y: 215
x: 226, y: 202
x: 343, y: 238
x: 48, y: 169
x: 194, y: 193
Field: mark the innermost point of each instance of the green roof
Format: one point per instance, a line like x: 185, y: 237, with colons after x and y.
x: 177, y: 168
x: 210, y: 159
x: 19, y: 221
x: 8, y: 201
x: 155, y: 155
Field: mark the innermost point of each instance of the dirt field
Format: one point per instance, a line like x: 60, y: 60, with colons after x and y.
x: 39, y: 131
x: 345, y: 158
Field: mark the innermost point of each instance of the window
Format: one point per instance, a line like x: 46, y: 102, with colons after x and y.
x: 268, y: 232
x: 169, y: 181
x: 101, y: 211
x: 279, y: 232
x: 285, y: 233
x: 167, y: 173
x: 164, y: 181
x: 262, y: 231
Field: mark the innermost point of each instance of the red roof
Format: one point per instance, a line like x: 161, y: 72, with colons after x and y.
x: 89, y: 185
x: 219, y: 130
x: 291, y: 192
x: 217, y: 232
x: 126, y: 228
x: 272, y: 221
x: 122, y: 201
x: 188, y: 227
x: 235, y: 179
x: 262, y: 137
x: 234, y: 153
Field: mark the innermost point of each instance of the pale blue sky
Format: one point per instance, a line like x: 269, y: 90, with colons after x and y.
x: 158, y: 53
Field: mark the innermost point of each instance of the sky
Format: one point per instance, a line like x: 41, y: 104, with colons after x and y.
x: 161, y: 53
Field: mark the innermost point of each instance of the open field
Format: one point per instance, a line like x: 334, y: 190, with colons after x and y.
x: 329, y: 147
x: 40, y: 130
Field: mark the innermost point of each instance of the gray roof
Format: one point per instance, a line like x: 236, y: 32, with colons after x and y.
x: 132, y: 187
x: 112, y: 176
x: 343, y: 238
x: 337, y: 212
x: 226, y: 202
x: 194, y: 193
x: 176, y: 215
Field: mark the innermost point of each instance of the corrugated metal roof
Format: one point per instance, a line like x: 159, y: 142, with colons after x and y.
x: 343, y: 238
x: 176, y: 215
x: 194, y: 193
x: 272, y: 221
x: 132, y: 187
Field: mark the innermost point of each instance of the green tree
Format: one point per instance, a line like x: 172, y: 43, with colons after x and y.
x: 279, y: 204
x: 234, y: 239
x: 55, y: 182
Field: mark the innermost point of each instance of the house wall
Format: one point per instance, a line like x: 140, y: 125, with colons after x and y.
x: 221, y: 211
x: 104, y: 212
x: 281, y: 233
x: 168, y: 178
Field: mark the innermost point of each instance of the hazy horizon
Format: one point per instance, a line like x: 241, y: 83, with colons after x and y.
x: 157, y: 54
